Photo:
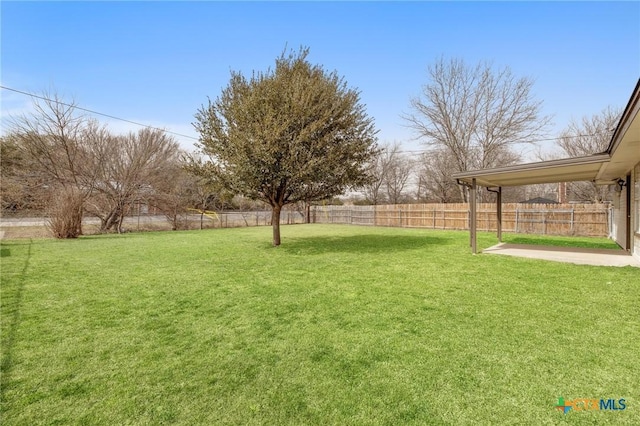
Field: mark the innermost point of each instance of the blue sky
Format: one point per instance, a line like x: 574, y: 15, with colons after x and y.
x: 157, y: 62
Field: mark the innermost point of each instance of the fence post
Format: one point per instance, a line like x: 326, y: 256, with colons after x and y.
x: 572, y: 221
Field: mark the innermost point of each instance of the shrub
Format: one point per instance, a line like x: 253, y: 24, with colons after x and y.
x: 65, y: 213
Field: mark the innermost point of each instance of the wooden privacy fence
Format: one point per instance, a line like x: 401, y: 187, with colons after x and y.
x: 550, y: 219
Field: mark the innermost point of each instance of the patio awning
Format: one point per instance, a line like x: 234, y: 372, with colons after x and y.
x: 566, y: 170
x: 604, y: 168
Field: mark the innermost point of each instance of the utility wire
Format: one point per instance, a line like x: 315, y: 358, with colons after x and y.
x: 97, y: 113
x: 33, y: 95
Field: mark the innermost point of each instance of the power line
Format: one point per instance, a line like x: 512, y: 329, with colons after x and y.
x: 33, y: 95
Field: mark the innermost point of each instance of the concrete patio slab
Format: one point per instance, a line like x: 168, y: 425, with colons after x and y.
x: 581, y: 256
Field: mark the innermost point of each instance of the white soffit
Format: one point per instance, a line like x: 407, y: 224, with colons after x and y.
x: 623, y: 154
x: 565, y: 170
x: 626, y: 148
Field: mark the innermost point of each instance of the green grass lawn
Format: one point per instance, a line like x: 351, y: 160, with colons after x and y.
x: 560, y: 241
x: 339, y: 325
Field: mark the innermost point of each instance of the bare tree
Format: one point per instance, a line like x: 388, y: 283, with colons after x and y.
x: 541, y: 190
x: 477, y: 113
x: 434, y: 177
x: 51, y: 142
x: 14, y: 178
x: 65, y: 213
x: 399, y: 168
x: 379, y: 168
x: 551, y: 191
x: 83, y: 166
x: 174, y: 196
x: 591, y: 135
x: 373, y: 191
x: 129, y: 167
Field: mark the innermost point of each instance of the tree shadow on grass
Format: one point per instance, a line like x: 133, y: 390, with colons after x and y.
x: 371, y: 243
x: 11, y: 306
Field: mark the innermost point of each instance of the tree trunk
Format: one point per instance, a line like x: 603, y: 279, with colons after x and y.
x: 463, y: 193
x: 120, y: 220
x: 81, y: 215
x: 109, y: 221
x: 275, y: 223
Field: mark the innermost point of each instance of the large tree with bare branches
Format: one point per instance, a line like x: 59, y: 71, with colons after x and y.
x: 139, y: 166
x: 50, y: 140
x: 590, y: 135
x: 81, y: 167
x: 476, y: 113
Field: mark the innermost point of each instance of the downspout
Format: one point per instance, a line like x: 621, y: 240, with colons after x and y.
x: 628, y: 218
x: 474, y: 216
